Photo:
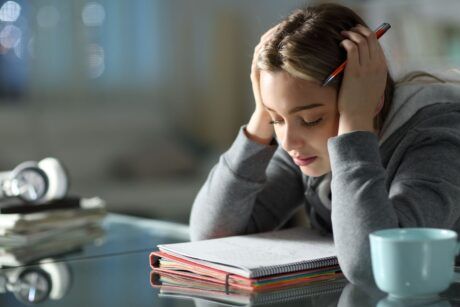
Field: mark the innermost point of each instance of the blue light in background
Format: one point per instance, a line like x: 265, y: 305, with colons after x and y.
x: 13, y: 46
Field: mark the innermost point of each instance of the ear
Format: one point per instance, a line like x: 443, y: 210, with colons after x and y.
x: 379, y: 106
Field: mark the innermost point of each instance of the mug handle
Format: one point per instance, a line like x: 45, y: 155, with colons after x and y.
x: 457, y: 274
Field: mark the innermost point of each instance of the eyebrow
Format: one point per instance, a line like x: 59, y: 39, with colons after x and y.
x: 300, y: 108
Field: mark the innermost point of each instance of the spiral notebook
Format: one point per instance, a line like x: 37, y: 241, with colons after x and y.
x: 269, y: 259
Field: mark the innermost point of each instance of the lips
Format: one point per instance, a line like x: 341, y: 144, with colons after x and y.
x: 301, y: 161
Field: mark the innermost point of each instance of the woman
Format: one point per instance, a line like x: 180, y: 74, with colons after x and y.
x: 360, y: 153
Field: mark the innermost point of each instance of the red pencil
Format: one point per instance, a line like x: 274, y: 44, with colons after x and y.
x: 379, y: 32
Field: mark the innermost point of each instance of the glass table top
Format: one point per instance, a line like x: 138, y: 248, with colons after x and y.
x: 115, y: 272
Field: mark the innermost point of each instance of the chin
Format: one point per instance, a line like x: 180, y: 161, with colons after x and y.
x: 314, y: 172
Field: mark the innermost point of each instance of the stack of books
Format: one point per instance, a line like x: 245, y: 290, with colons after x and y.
x: 242, y: 267
x: 31, y: 232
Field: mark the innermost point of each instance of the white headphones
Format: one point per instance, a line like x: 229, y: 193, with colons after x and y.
x: 35, y: 182
x: 38, y: 283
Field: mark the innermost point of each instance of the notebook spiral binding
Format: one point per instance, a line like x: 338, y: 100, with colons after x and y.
x: 298, y: 266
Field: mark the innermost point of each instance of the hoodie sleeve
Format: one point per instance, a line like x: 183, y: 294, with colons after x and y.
x: 423, y: 193
x: 252, y: 188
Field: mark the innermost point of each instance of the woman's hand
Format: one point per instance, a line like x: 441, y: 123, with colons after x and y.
x: 364, y: 80
x: 259, y: 128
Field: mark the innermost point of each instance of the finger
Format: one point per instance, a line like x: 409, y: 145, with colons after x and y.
x: 265, y: 37
x: 374, y: 46
x: 375, y: 49
x: 361, y: 42
x: 371, y: 38
x: 257, y: 51
x: 268, y: 34
x: 352, y: 53
x: 379, y: 52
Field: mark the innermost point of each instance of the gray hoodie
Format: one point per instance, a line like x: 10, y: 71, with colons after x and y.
x: 409, y: 176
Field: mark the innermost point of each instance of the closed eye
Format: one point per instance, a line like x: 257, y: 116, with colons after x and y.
x: 304, y: 122
x: 313, y: 123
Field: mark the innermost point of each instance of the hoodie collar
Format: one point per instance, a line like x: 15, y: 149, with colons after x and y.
x: 408, y: 99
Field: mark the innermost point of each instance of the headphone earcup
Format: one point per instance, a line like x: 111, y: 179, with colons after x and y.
x: 58, y: 182
x: 9, y: 179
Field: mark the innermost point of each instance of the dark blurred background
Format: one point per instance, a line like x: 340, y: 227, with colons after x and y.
x: 139, y: 97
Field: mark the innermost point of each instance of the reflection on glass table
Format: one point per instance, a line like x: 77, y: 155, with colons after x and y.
x: 117, y: 273
x: 174, y: 286
x: 369, y: 296
x: 38, y: 283
x: 332, y: 293
x: 62, y: 244
x: 116, y: 234
x: 46, y: 272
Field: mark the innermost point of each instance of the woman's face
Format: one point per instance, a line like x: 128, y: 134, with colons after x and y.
x: 304, y: 115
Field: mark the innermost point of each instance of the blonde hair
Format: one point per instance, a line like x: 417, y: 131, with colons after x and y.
x: 306, y: 45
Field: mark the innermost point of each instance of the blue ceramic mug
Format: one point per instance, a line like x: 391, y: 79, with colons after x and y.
x: 414, y: 262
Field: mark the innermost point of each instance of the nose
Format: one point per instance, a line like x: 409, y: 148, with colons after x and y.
x: 292, y: 139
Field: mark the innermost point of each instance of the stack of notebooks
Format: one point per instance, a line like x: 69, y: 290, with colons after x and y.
x: 241, y: 266
x: 31, y: 232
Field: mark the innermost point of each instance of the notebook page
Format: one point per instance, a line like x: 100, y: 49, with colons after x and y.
x: 251, y: 253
